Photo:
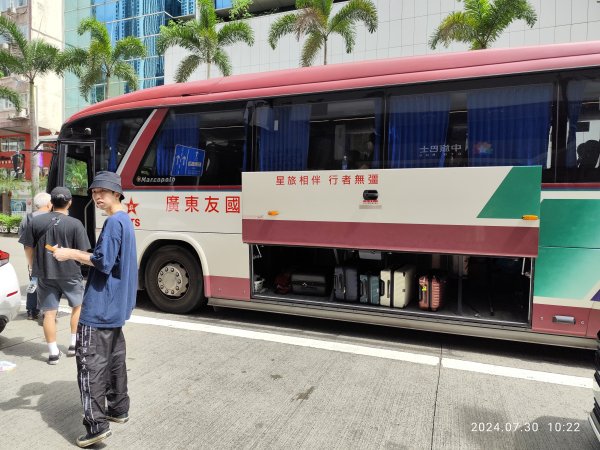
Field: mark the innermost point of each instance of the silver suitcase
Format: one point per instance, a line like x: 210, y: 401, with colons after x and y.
x: 403, y: 286
x: 385, y: 294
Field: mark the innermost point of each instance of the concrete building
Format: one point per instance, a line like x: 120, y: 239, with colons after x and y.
x: 405, y: 27
x: 43, y: 20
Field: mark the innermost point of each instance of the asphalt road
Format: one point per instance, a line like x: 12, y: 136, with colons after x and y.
x: 238, y: 379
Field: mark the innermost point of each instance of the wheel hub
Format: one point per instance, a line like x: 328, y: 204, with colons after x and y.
x: 173, y: 280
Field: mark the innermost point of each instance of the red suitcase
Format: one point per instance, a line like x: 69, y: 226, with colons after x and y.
x: 431, y: 292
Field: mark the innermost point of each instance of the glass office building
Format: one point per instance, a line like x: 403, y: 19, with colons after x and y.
x: 140, y: 18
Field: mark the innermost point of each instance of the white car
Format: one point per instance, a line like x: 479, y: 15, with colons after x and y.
x: 10, y: 293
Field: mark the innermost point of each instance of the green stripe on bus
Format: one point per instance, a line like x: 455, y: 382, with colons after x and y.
x: 570, y: 223
x: 567, y: 273
x: 517, y: 195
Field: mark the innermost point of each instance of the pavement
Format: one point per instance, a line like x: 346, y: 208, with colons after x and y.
x: 245, y: 380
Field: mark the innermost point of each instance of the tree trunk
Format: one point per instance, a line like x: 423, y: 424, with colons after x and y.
x: 207, y: 71
x: 325, y: 51
x: 106, y: 86
x: 35, y: 168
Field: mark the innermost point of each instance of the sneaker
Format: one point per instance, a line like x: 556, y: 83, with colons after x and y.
x: 121, y: 418
x: 89, y: 439
x: 53, y: 359
x: 71, y: 350
x: 29, y: 316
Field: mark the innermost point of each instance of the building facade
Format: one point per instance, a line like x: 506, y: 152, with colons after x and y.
x: 43, y: 20
x: 404, y: 29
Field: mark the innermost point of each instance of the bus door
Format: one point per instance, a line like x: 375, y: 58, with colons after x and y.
x: 76, y: 172
x: 489, y: 211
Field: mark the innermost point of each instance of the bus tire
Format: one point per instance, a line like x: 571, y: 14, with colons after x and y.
x: 174, y: 281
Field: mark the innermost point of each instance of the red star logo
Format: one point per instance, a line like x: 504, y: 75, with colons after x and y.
x: 131, y: 206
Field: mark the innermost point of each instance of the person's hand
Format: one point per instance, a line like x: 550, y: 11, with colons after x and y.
x: 61, y: 254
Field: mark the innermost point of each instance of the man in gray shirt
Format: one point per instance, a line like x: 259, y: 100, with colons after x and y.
x: 44, y: 233
x: 41, y: 205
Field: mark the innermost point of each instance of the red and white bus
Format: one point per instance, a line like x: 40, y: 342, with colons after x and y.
x: 482, y: 167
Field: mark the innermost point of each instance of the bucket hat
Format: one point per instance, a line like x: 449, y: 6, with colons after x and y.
x: 108, y: 180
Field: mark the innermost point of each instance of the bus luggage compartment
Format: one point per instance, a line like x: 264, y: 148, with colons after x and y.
x: 462, y: 210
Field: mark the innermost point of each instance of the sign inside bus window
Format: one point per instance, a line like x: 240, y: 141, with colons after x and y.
x: 433, y: 151
x: 336, y: 179
x: 210, y: 204
x: 188, y: 161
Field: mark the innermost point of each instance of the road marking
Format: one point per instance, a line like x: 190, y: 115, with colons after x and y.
x: 512, y: 372
x: 292, y: 340
x: 447, y: 363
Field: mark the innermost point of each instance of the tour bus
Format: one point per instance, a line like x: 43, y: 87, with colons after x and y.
x: 470, y: 180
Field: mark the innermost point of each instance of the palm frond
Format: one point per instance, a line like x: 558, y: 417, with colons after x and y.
x: 207, y: 16
x: 12, y: 96
x: 11, y: 32
x: 354, y: 11
x: 182, y: 35
x: 129, y: 48
x: 221, y: 60
x: 98, y: 31
x: 282, y: 26
x: 233, y: 32
x: 11, y: 62
x: 457, y: 26
x: 309, y: 20
x: 347, y: 31
x: 125, y: 72
x: 186, y: 67
x: 88, y: 79
x: 311, y: 47
x: 72, y: 59
x: 42, y: 57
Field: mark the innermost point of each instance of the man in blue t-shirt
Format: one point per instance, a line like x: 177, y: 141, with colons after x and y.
x: 108, y: 300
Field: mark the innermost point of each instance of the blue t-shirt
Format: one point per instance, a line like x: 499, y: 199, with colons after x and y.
x: 111, y: 287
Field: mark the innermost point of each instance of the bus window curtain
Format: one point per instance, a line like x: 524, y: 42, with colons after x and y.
x: 575, y: 91
x: 113, y: 131
x: 377, y: 144
x: 509, y: 126
x: 180, y: 130
x: 417, y: 130
x: 283, y: 137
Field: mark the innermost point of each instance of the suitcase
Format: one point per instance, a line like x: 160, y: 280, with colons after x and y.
x: 364, y: 291
x: 346, y: 283
x: 309, y: 284
x: 403, y: 286
x: 373, y: 286
x: 369, y: 289
x: 385, y: 291
x: 431, y: 291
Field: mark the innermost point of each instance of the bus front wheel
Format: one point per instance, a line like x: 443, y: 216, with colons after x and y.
x: 174, y: 280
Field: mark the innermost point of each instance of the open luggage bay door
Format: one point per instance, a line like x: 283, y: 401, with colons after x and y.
x: 465, y: 210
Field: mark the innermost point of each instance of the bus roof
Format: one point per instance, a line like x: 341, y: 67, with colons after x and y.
x: 363, y: 74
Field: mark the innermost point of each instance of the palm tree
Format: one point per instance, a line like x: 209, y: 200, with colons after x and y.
x: 482, y: 22
x: 313, y: 19
x: 201, y: 38
x: 28, y: 59
x: 101, y: 61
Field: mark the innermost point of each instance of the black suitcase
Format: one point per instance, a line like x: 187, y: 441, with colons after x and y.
x: 346, y: 284
x: 309, y: 284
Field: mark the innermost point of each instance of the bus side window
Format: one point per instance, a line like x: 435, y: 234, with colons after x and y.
x: 197, y: 147
x: 579, y: 156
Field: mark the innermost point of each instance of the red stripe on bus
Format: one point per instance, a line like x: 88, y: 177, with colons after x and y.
x: 227, y: 287
x: 139, y: 150
x: 545, y: 319
x: 459, y: 239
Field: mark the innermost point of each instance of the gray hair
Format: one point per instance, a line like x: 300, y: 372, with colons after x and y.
x: 40, y: 200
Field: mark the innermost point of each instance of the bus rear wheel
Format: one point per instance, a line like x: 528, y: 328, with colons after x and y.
x: 174, y: 280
